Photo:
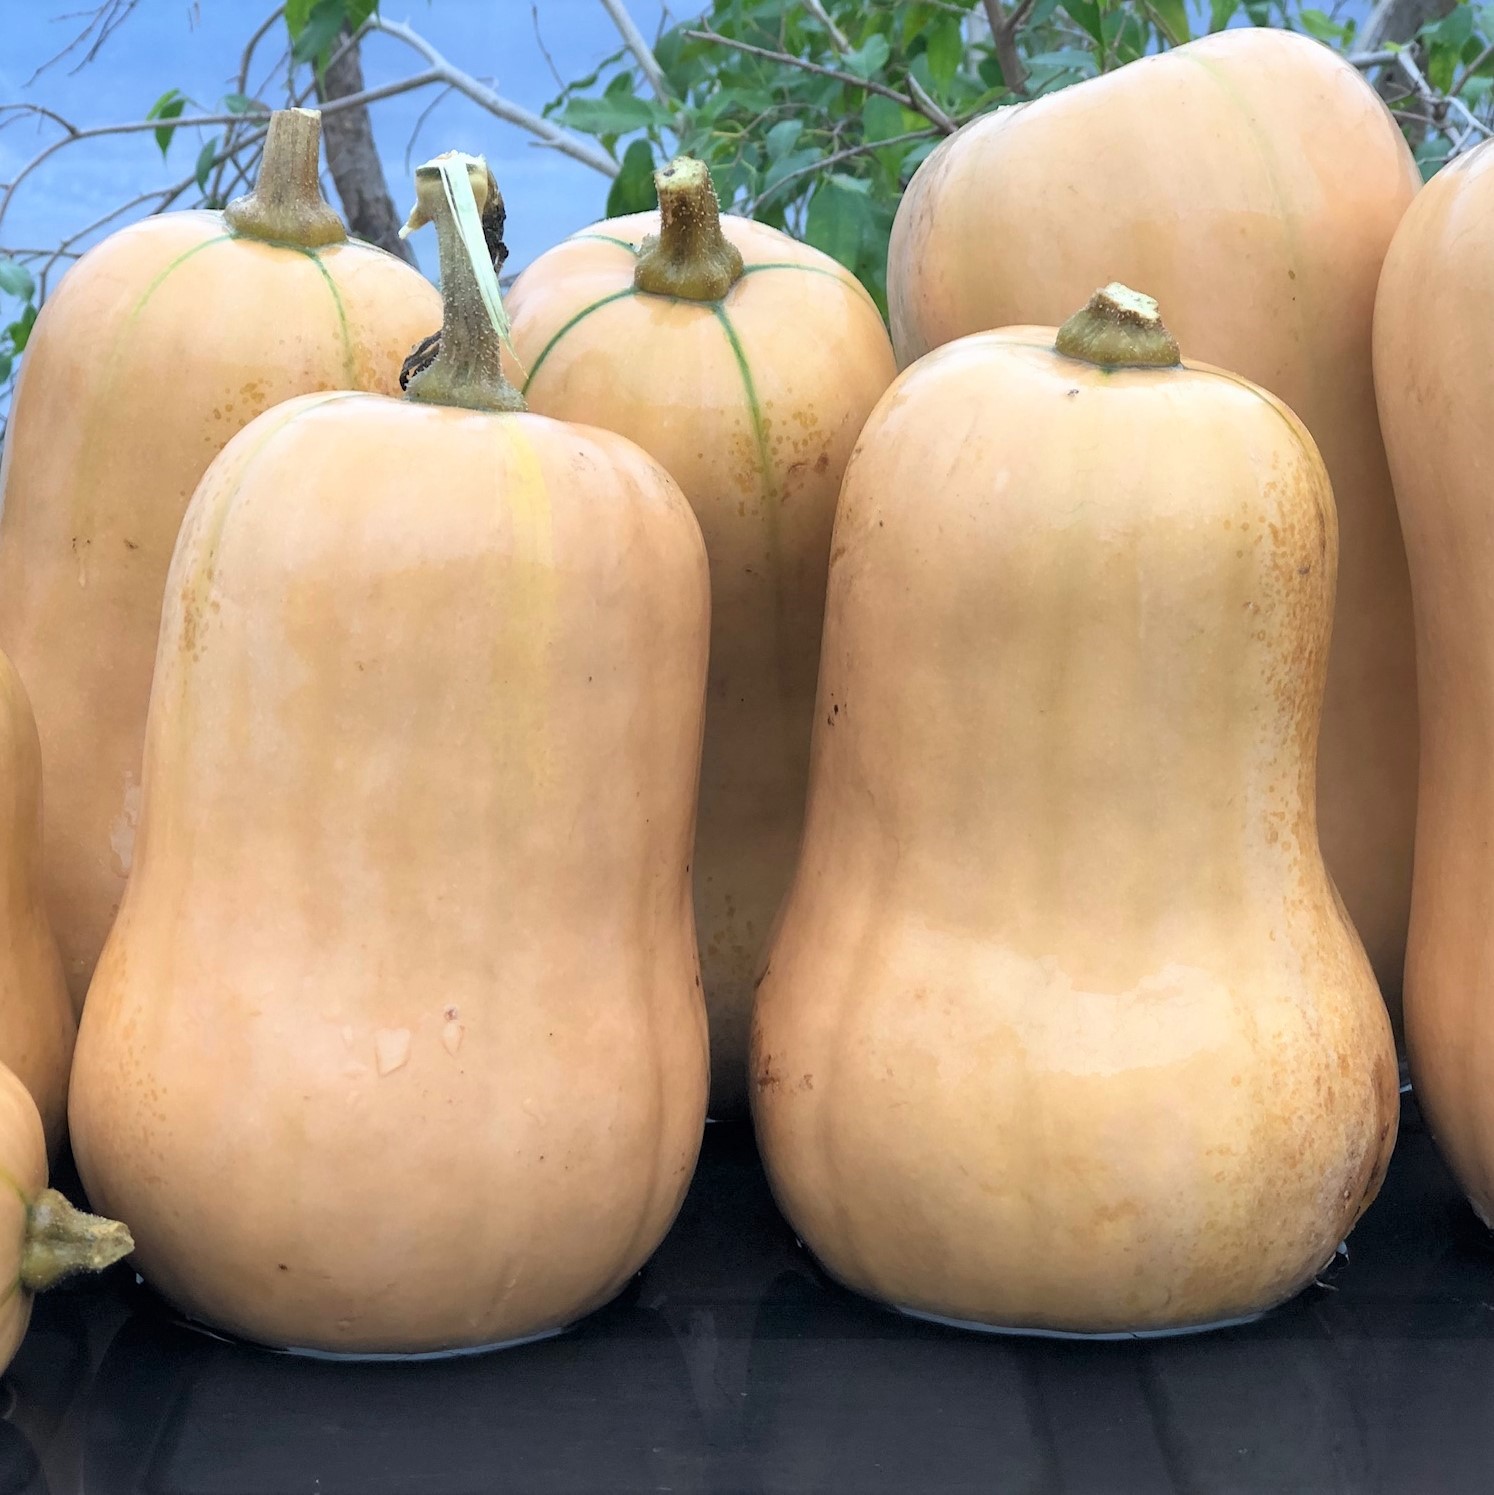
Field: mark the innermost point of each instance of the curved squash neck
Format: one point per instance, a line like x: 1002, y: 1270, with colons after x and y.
x: 467, y: 370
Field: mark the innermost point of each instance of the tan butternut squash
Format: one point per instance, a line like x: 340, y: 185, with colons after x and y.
x: 1063, y: 1026
x: 43, y: 1239
x: 156, y: 347
x: 1251, y: 181
x: 397, y: 1044
x: 36, y: 1018
x: 745, y: 362
x: 1435, y: 385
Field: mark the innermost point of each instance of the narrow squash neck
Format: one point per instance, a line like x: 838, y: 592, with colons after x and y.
x: 689, y: 257
x: 1119, y: 329
x: 286, y: 205
x: 62, y: 1241
x: 468, y: 369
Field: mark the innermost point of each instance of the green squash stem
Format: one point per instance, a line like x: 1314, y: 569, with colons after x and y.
x: 467, y: 369
x: 1119, y: 329
x: 689, y: 256
x: 62, y: 1241
x: 286, y: 205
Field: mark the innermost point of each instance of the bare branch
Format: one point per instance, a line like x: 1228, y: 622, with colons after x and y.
x: 353, y: 157
x: 108, y: 18
x: 1439, y: 106
x: 1004, y: 32
x: 539, y: 39
x: 419, y: 125
x: 1398, y: 21
x: 838, y: 39
x: 135, y: 126
x: 864, y: 148
x: 937, y: 117
x: 442, y: 71
x: 633, y: 40
x: 928, y: 106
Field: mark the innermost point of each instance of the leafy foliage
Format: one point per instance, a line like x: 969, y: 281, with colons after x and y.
x: 17, y: 293
x: 813, y: 116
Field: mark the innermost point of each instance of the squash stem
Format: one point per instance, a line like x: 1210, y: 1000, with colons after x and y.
x: 62, y: 1241
x: 467, y: 370
x: 689, y: 256
x: 1119, y: 329
x: 286, y: 205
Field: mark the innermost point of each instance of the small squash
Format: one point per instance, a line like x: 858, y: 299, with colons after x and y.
x: 156, y: 347
x: 1063, y: 1026
x: 43, y: 1239
x: 745, y: 362
x: 36, y: 1018
x: 1435, y: 389
x: 1251, y: 181
x: 398, y: 1044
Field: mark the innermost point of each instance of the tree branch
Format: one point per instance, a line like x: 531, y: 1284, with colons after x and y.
x: 442, y: 71
x: 1004, y: 32
x: 353, y: 158
x: 838, y: 39
x: 864, y: 148
x: 136, y: 126
x: 439, y: 72
x: 1399, y: 21
x: 935, y: 116
x: 1439, y: 105
x: 633, y: 40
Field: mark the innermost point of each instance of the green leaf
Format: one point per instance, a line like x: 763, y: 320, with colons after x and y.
x: 838, y: 219
x: 316, y: 39
x: 6, y: 364
x: 1221, y: 13
x: 240, y: 103
x: 787, y: 165
x: 19, y: 331
x: 168, y: 106
x: 1431, y: 156
x: 1321, y: 25
x: 783, y: 136
x: 632, y: 189
x: 15, y: 279
x: 1087, y: 14
x: 945, y: 50
x: 206, y: 159
x: 1442, y: 62
x: 612, y: 114
x: 1172, y: 17
x: 870, y: 57
x: 297, y: 13
x: 884, y: 118
x: 1453, y: 30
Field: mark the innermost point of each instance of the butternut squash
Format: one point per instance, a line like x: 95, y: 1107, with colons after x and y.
x: 1434, y: 385
x: 397, y: 1044
x: 158, y: 346
x: 43, y: 1239
x: 1251, y: 181
x: 1063, y: 1026
x: 36, y: 1018
x: 745, y: 362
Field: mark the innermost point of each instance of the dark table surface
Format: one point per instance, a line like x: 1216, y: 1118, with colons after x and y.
x: 731, y: 1364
